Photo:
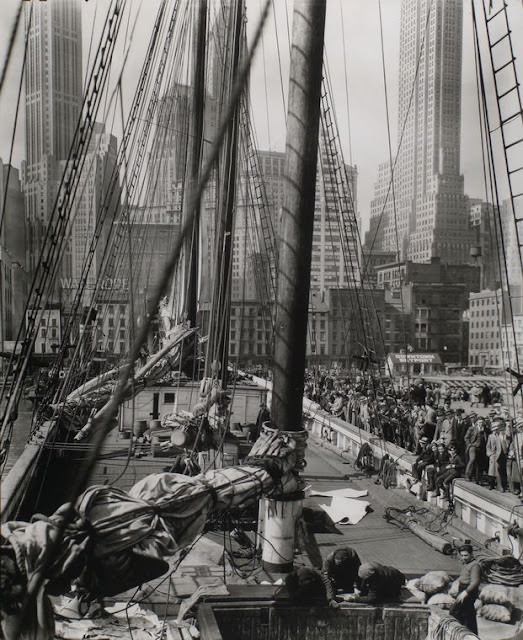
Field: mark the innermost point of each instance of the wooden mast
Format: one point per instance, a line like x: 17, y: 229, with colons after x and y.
x: 294, y: 264
x: 227, y: 172
x: 195, y: 151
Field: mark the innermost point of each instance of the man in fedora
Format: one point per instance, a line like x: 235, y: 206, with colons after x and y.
x: 497, y: 455
x: 475, y: 445
x: 424, y: 459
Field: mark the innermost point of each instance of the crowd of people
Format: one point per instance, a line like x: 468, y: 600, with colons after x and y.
x: 449, y: 441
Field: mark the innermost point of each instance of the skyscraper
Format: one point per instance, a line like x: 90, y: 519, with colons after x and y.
x: 426, y: 214
x: 92, y: 196
x: 53, y: 97
x: 335, y: 246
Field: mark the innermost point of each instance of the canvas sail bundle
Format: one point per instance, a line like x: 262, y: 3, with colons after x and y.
x: 117, y: 540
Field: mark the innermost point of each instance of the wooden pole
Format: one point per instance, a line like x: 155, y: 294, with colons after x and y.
x: 294, y: 265
x: 195, y: 152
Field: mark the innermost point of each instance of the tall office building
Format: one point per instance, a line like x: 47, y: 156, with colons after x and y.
x: 93, y: 196
x: 426, y: 214
x: 335, y: 260
x: 53, y: 97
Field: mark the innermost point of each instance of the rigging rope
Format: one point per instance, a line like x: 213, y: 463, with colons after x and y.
x: 10, y: 44
x: 18, y: 98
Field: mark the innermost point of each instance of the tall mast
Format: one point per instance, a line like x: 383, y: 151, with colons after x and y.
x: 294, y: 263
x: 227, y: 170
x: 195, y: 152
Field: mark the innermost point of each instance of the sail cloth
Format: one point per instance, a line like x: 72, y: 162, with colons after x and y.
x: 119, y: 540
x: 346, y: 510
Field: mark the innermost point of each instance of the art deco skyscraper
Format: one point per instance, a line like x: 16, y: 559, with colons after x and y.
x: 53, y: 96
x: 426, y: 214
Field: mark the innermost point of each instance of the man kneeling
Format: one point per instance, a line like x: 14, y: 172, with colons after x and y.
x: 378, y: 583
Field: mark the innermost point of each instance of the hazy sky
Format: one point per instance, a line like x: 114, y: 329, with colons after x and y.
x: 354, y: 59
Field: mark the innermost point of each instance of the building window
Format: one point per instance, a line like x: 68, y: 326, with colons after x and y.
x: 168, y: 398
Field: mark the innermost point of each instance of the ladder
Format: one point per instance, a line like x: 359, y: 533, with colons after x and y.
x: 336, y: 180
x: 265, y: 270
x: 509, y: 106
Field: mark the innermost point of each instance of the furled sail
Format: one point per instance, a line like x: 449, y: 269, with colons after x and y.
x: 112, y: 541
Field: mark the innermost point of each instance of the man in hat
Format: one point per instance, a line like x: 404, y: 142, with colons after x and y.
x: 446, y: 428
x: 475, y: 446
x: 452, y: 470
x: 469, y: 578
x: 424, y: 459
x: 497, y: 455
x: 429, y: 426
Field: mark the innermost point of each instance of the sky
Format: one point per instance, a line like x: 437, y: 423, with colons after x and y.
x: 354, y: 59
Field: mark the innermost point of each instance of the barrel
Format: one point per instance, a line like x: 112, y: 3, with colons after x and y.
x: 155, y: 424
x: 140, y: 427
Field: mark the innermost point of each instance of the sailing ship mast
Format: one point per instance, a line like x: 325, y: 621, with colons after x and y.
x: 218, y: 343
x: 294, y: 261
x: 189, y: 268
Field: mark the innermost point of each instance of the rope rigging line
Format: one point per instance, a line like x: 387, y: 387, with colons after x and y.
x: 262, y: 231
x: 10, y: 44
x: 17, y: 109
x: 279, y: 55
x: 346, y: 76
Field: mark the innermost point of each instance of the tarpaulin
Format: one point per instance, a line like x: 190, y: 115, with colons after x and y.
x: 346, y: 510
